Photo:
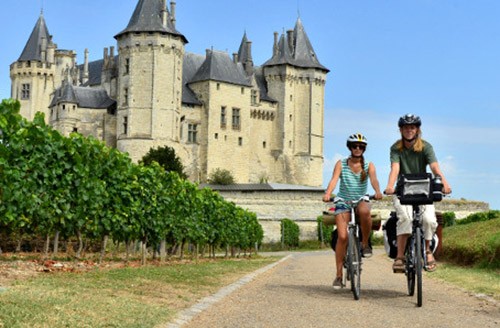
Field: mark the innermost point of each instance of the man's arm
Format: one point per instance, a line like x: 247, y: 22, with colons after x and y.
x: 393, y: 176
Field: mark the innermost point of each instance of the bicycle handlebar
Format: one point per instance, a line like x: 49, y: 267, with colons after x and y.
x: 365, y: 198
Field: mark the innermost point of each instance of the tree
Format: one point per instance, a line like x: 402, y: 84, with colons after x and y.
x: 165, y: 156
x: 221, y: 177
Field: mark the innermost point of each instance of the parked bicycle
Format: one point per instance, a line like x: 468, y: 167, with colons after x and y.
x: 353, y: 258
x: 416, y: 190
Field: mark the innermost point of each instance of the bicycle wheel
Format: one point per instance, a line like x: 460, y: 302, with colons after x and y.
x: 419, y: 264
x: 355, y: 263
x: 410, y: 267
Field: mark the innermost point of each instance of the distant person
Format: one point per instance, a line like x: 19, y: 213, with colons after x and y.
x: 353, y: 173
x: 412, y: 154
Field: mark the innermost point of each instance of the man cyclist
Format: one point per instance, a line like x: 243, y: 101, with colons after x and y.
x: 412, y: 154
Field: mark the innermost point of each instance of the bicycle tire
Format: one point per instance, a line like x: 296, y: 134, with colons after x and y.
x: 410, y: 267
x: 355, y: 263
x: 419, y: 265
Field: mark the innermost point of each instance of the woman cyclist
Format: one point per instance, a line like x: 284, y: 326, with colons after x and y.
x: 412, y: 154
x: 353, y: 173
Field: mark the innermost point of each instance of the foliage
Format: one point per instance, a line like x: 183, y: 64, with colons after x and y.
x: 290, y: 233
x: 166, y: 157
x: 76, y: 187
x: 449, y: 219
x: 221, y: 177
x: 326, y: 238
x: 476, y: 243
x: 481, y: 216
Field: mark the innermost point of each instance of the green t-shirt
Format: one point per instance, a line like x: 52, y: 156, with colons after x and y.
x: 411, y: 161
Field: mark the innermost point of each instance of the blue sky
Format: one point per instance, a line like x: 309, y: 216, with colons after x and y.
x: 439, y: 59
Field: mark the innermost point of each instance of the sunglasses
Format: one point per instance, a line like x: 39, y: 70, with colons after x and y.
x: 362, y: 147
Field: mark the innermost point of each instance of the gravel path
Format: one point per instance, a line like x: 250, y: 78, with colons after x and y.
x: 297, y: 292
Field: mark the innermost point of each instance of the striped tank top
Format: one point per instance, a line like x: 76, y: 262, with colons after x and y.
x: 351, y: 187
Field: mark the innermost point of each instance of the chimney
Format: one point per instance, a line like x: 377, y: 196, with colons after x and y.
x: 105, y: 57
x: 235, y: 57
x: 164, y: 12
x: 275, y: 45
x: 289, y: 35
x: 249, y: 61
x: 85, y: 75
x: 111, y: 56
x: 172, y: 12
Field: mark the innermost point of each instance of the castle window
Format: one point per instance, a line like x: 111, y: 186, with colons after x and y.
x: 236, y: 119
x: 290, y: 117
x: 25, y: 91
x: 64, y: 107
x: 125, y: 124
x: 253, y: 98
x: 242, y: 90
x: 125, y: 96
x: 127, y: 65
x: 75, y: 130
x: 240, y: 141
x: 223, y: 117
x: 291, y: 97
x: 192, y: 133
x: 218, y: 86
x: 264, y: 144
x: 216, y: 136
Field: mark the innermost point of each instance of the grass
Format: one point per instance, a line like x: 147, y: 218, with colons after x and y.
x: 126, y: 297
x: 474, y: 280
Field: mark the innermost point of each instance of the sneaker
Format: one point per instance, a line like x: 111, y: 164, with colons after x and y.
x: 366, y: 251
x: 337, y: 283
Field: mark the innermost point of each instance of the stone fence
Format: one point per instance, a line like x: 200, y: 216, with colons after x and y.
x: 274, y: 202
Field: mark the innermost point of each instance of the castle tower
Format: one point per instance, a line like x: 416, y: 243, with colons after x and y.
x: 33, y: 74
x: 149, y: 87
x: 296, y: 79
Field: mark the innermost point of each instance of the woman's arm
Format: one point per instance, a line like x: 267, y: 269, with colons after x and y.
x: 372, y: 173
x: 333, y: 181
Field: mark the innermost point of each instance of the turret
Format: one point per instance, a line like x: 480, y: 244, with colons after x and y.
x: 151, y: 53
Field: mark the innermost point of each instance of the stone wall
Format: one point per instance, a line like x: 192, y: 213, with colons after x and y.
x: 304, y: 206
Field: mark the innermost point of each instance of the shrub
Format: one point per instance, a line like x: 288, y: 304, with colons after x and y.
x: 481, y: 216
x: 290, y: 233
x: 449, y: 219
x: 221, y: 177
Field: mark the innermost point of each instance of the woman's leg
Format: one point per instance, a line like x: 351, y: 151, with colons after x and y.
x: 365, y: 220
x: 340, y: 249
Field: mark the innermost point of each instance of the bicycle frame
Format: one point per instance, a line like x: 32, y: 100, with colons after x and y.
x: 352, y: 258
x: 415, y: 255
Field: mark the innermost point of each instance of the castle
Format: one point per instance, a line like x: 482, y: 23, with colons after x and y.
x: 262, y: 123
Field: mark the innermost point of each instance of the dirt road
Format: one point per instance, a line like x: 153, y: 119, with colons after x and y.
x: 297, y: 292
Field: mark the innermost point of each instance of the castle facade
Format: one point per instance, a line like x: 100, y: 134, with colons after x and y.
x: 262, y: 123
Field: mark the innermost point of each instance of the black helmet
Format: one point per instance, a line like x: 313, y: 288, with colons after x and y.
x: 356, y: 138
x: 409, y: 119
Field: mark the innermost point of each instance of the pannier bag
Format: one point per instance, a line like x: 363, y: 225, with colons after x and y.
x: 419, y: 189
x: 390, y: 237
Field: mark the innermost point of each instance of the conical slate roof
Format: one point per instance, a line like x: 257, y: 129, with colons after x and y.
x: 32, y: 49
x: 147, y: 17
x: 300, y: 53
x: 218, y: 66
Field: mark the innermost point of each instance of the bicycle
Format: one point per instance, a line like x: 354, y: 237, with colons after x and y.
x: 352, y: 259
x: 416, y: 190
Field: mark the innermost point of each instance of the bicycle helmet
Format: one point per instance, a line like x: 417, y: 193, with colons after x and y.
x: 410, y: 119
x: 356, y: 138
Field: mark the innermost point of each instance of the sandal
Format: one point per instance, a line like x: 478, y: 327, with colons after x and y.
x: 431, y: 265
x: 399, y: 265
